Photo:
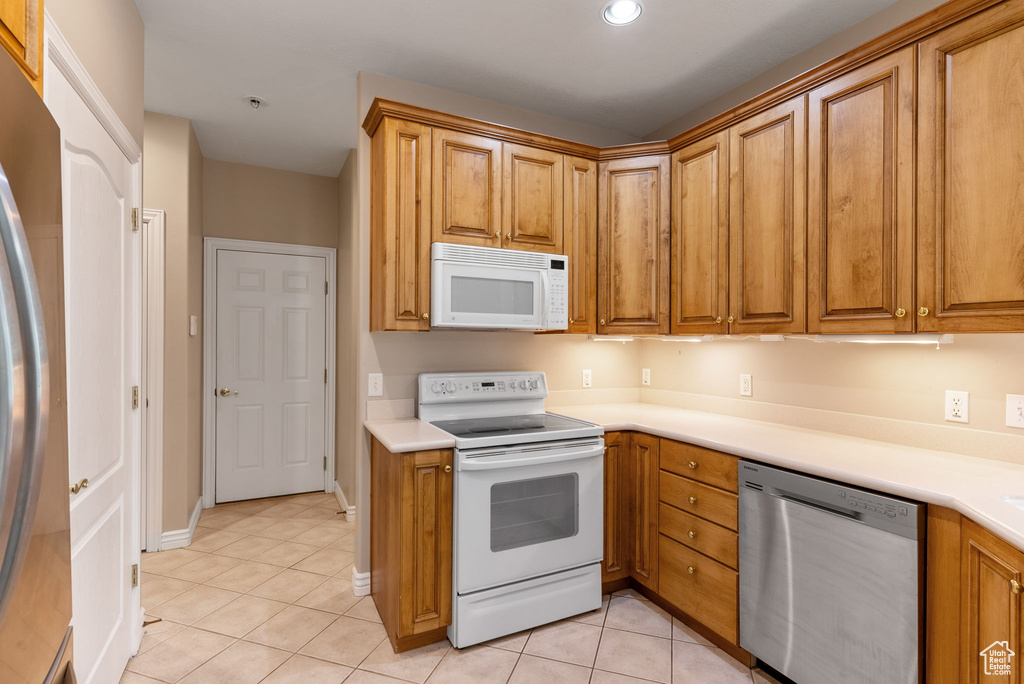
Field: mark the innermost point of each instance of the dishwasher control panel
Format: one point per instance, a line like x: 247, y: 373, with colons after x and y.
x: 866, y: 502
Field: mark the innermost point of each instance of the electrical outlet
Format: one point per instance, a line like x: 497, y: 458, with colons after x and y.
x: 746, y: 385
x: 1015, y: 410
x: 645, y: 376
x: 588, y: 381
x: 958, y: 406
x: 375, y: 386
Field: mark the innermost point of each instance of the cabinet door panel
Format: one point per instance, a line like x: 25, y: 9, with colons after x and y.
x: 860, y: 212
x: 971, y: 141
x: 532, y: 199
x: 579, y: 230
x: 400, y: 271
x: 700, y: 237
x: 633, y: 246
x: 21, y: 33
x: 767, y: 227
x: 617, y: 528
x: 644, y: 449
x: 467, y: 189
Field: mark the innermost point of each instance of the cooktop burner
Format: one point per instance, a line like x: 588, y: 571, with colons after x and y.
x: 542, y: 423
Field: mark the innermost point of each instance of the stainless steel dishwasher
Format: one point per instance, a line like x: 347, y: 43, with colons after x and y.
x: 831, y: 579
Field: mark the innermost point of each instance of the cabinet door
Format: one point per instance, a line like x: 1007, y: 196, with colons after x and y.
x: 767, y: 287
x: 860, y: 201
x: 700, y: 237
x: 400, y: 236
x: 633, y: 246
x: 644, y: 476
x: 990, y: 603
x: 970, y: 144
x: 532, y: 199
x: 617, y: 527
x: 21, y: 33
x: 467, y: 189
x: 426, y: 582
x: 579, y: 230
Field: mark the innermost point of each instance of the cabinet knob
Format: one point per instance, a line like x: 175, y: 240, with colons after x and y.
x: 923, y: 311
x: 1015, y: 587
x: 426, y: 316
x: 692, y: 499
x: 690, y: 569
x: 447, y: 469
x: 693, y: 465
x: 691, y: 534
x: 718, y: 320
x: 901, y: 312
x: 571, y: 321
x: 497, y: 235
x: 731, y: 319
x: 79, y: 486
x: 602, y: 321
x: 508, y: 236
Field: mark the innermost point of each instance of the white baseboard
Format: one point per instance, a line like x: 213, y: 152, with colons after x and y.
x: 360, y: 583
x: 350, y: 511
x: 175, y: 539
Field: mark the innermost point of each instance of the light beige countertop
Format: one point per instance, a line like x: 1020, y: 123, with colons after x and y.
x: 976, y: 487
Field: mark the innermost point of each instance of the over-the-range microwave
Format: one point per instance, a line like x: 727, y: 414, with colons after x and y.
x: 497, y: 289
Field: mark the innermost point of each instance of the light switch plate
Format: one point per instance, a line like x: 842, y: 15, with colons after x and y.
x: 1015, y: 410
x: 746, y: 385
x: 645, y: 376
x: 958, y: 406
x: 588, y: 380
x: 375, y: 387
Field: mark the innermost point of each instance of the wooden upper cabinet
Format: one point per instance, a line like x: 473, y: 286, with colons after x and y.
x: 633, y: 246
x: 860, y: 200
x: 767, y: 290
x: 400, y: 234
x: 21, y: 33
x: 970, y: 174
x: 990, y: 605
x: 467, y: 189
x: 532, y: 199
x: 700, y: 237
x: 579, y: 230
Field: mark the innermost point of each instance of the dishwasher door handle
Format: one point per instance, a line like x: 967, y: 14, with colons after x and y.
x: 824, y: 508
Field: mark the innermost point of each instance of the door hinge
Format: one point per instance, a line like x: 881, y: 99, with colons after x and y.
x: 325, y: 464
x: 135, y: 575
x: 135, y: 220
x: 325, y: 287
x: 135, y: 397
x: 325, y: 376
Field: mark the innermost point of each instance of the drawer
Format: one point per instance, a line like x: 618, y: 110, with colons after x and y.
x: 697, y: 463
x: 709, y: 594
x: 699, y: 499
x: 712, y: 540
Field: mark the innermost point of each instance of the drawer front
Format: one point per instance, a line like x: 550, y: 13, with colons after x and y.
x: 704, y: 465
x: 708, y: 594
x: 710, y: 539
x: 699, y: 499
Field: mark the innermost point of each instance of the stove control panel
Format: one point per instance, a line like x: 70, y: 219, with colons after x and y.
x: 439, y: 387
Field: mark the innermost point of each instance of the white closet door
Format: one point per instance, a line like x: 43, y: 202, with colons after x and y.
x: 271, y: 364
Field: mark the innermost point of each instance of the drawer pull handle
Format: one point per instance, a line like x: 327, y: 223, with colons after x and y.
x: 901, y: 312
x: 692, y: 570
x: 1016, y: 587
x: 693, y: 465
x: 691, y: 534
x: 923, y: 311
x: 692, y: 499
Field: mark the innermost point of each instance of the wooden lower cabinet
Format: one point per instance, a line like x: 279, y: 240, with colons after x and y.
x: 704, y: 589
x: 617, y: 515
x: 644, y: 464
x: 411, y: 543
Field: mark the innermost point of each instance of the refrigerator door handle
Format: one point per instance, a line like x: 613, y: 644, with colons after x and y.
x: 24, y: 388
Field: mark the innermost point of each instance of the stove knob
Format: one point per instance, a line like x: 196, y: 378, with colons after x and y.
x: 534, y: 383
x: 436, y: 387
x: 450, y: 386
x: 522, y: 384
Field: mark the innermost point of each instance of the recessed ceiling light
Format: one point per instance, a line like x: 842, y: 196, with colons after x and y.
x: 622, y: 12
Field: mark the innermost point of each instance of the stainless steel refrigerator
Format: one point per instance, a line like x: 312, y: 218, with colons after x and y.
x: 35, y: 553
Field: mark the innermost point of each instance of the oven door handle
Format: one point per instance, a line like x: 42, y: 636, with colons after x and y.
x: 504, y: 461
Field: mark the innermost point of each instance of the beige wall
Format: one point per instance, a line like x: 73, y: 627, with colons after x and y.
x: 245, y: 202
x: 172, y: 182
x: 347, y: 334
x: 108, y: 36
x: 841, y: 43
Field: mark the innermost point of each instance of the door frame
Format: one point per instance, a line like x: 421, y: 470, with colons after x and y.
x: 152, y: 390
x: 211, y: 246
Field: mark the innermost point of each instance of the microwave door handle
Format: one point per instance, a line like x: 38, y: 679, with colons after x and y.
x: 499, y: 461
x: 545, y: 303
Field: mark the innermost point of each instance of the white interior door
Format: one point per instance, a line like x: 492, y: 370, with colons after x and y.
x: 101, y: 261
x: 271, y: 374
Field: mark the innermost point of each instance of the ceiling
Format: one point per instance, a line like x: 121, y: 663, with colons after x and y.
x: 555, y: 57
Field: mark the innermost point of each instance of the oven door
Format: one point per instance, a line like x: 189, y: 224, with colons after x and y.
x: 470, y: 296
x: 527, y: 511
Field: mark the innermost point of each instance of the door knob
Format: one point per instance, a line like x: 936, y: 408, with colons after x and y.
x: 79, y: 486
x: 225, y: 392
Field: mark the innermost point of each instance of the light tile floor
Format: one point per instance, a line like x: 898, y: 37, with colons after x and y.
x: 263, y: 594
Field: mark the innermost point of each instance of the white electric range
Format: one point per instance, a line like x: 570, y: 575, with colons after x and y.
x: 528, y: 510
